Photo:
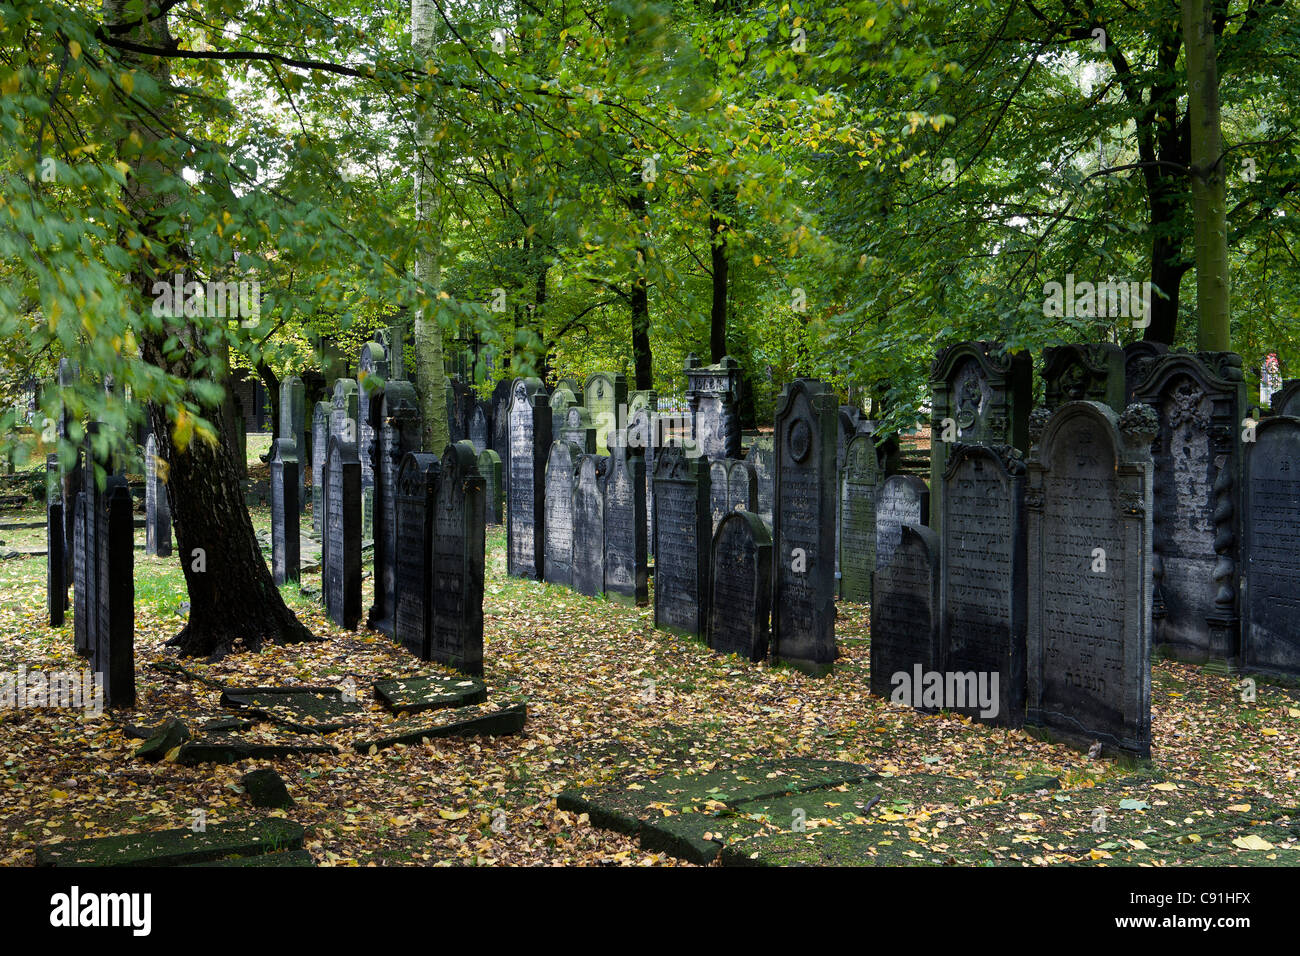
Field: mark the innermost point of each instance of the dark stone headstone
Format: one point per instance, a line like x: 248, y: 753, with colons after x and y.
x: 682, y: 539
x: 320, y: 438
x: 479, y: 426
x: 56, y: 585
x: 293, y: 424
x: 742, y: 485
x: 983, y: 571
x: 458, y: 562
x: 858, y: 483
x: 92, y: 529
x: 560, y: 467
x: 900, y: 500
x: 372, y: 375
x: 1271, y: 599
x: 803, y: 528
x: 641, y: 439
x: 502, y: 395
x: 741, y: 586
x: 460, y: 404
x: 980, y: 394
x: 489, y: 466
x: 83, y: 569
x: 905, y: 617
x: 1089, y: 507
x: 529, y: 446
x: 157, y: 509
x: 605, y: 398
x: 1138, y: 357
x: 718, y: 506
x: 344, y: 406
x: 1092, y: 372
x: 1200, y: 401
x: 589, y: 476
x: 713, y: 394
x: 417, y: 484
x: 285, y: 541
x: 626, y: 573
x: 341, y: 551
x: 1286, y: 400
x: 762, y: 454
x: 114, y: 651
x: 397, y: 426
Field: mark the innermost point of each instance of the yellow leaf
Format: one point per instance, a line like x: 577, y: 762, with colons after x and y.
x: 1268, y: 732
x: 1138, y: 845
x: 1252, y: 842
x: 128, y: 82
x: 1240, y: 807
x: 1293, y: 711
x: 453, y: 814
x: 1099, y: 855
x: 75, y: 49
x: 1166, y: 786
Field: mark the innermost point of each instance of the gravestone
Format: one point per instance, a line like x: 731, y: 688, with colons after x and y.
x: 718, y: 492
x: 713, y: 396
x: 92, y: 528
x: 589, y: 477
x: 1200, y: 400
x: 417, y: 484
x: 372, y: 373
x: 733, y: 486
x: 561, y: 401
x: 71, y: 476
x: 489, y: 467
x: 762, y: 454
x: 605, y: 398
x: 397, y: 424
x: 1271, y: 600
x: 320, y: 437
x: 458, y: 562
x: 1286, y: 400
x: 501, y: 398
x: 560, y: 468
x: 900, y: 500
x: 626, y: 573
x: 741, y: 586
x: 980, y: 394
x: 114, y: 649
x: 479, y: 426
x: 1089, y: 508
x: 574, y: 387
x: 858, y: 483
x: 641, y: 441
x: 851, y: 422
x: 157, y: 509
x: 982, y: 562
x: 56, y: 584
x: 529, y: 446
x: 343, y: 412
x: 1138, y: 357
x: 905, y: 615
x: 285, y: 541
x: 578, y: 429
x: 803, y: 528
x: 341, y: 551
x: 1093, y: 372
x: 293, y: 424
x: 461, y: 401
x: 682, y: 539
x: 82, y: 572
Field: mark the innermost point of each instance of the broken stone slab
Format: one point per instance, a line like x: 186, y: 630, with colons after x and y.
x: 416, y: 694
x: 307, y: 710
x: 287, y: 858
x: 228, y: 748
x: 243, y: 838
x: 162, y: 740
x: 265, y: 788
x: 461, y: 722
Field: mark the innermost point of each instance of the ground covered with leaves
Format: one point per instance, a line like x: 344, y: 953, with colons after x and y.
x: 615, y: 707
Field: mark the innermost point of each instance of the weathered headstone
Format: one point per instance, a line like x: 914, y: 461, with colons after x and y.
x: 157, y: 509
x: 980, y: 394
x: 92, y: 528
x: 114, y: 650
x: 626, y: 575
x: 479, y: 426
x: 718, y: 491
x: 763, y: 456
x: 502, y: 395
x: 604, y: 396
x: 713, y: 394
x: 285, y: 541
x: 397, y: 423
x: 858, y: 483
x: 489, y: 466
x: 1138, y: 357
x: 458, y: 562
x: 372, y: 374
x: 417, y: 484
x: 741, y: 586
x: 1093, y: 372
x: 561, y: 401
x: 851, y: 422
x: 341, y: 552
x: 293, y: 424
x: 733, y: 486
x: 803, y: 528
x: 900, y: 500
x: 1089, y: 507
x: 682, y: 540
x: 56, y: 585
x: 1271, y: 599
x: 320, y: 438
x: 344, y: 410
x: 982, y: 560
x: 560, y: 467
x: 1200, y: 401
x: 589, y: 479
x: 1286, y: 400
x: 905, y: 618
x: 529, y: 445
x: 641, y: 440
x: 82, y: 573
x: 578, y: 429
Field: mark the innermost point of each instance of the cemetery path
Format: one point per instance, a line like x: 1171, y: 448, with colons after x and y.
x: 614, y: 706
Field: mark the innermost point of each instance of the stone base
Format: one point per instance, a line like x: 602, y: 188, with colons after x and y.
x: 811, y: 668
x: 1124, y: 756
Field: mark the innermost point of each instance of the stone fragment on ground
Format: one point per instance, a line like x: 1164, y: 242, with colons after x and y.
x: 476, y: 721
x: 415, y: 694
x: 218, y: 841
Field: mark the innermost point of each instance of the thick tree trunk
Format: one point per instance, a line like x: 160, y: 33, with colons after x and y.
x: 234, y: 604
x: 1209, y: 199
x: 718, y: 311
x: 272, y: 383
x: 639, y: 299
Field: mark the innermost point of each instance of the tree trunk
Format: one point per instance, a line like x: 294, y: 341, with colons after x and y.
x: 233, y: 602
x: 1209, y: 200
x: 642, y: 358
x: 430, y: 371
x: 718, y: 311
x: 272, y: 383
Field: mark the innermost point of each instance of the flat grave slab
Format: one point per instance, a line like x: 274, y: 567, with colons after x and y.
x: 308, y: 710
x: 475, y: 721
x: 243, y: 838
x: 416, y: 694
x: 234, y: 746
x: 287, y: 858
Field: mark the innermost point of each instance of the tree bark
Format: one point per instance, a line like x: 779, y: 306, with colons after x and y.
x: 718, y: 311
x: 272, y: 383
x: 639, y: 299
